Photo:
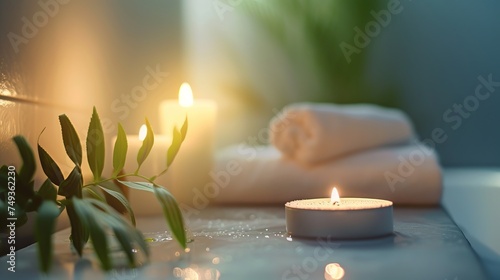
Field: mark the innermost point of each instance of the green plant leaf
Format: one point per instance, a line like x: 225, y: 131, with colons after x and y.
x: 123, y: 201
x: 28, y: 168
x: 125, y: 233
x: 71, y: 141
x: 24, y: 189
x: 93, y: 192
x: 120, y: 151
x: 178, y: 139
x: 4, y: 171
x: 95, y: 145
x: 184, y: 129
x: 48, y: 191
x: 96, y: 229
x: 147, y: 145
x: 44, y: 226
x: 142, y: 186
x: 72, y: 185
x: 174, y: 147
x: 79, y: 232
x: 50, y: 167
x: 122, y: 235
x: 172, y: 214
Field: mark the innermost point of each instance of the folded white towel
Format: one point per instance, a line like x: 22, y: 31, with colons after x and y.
x: 405, y: 175
x: 310, y: 133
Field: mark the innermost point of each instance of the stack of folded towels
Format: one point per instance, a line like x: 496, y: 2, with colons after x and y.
x: 364, y: 150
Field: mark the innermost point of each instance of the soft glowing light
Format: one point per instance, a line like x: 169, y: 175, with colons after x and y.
x: 334, y: 271
x: 190, y: 274
x: 335, y: 198
x: 6, y: 92
x: 143, y: 131
x: 185, y: 95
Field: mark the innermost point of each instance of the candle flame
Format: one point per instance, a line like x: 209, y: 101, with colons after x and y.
x: 335, y: 198
x: 185, y: 95
x: 143, y: 131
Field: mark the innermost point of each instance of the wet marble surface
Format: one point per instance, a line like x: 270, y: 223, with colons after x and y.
x: 471, y: 198
x: 251, y: 243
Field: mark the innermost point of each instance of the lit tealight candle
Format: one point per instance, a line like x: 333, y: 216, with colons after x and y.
x: 341, y: 218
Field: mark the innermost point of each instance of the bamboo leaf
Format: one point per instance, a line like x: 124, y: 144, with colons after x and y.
x: 122, y: 235
x: 79, y: 232
x: 133, y: 234
x: 50, y: 167
x: 172, y: 213
x: 28, y: 168
x: 123, y: 201
x: 127, y: 236
x: 71, y: 141
x: 4, y: 171
x: 174, y: 147
x: 114, y: 220
x: 48, y: 191
x: 184, y: 129
x: 147, y: 145
x: 44, y: 226
x: 95, y: 145
x: 72, y: 185
x: 25, y: 194
x: 96, y: 229
x: 92, y: 192
x: 120, y: 151
x: 138, y: 185
x: 4, y: 212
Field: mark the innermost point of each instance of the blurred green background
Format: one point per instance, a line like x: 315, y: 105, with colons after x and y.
x: 426, y: 59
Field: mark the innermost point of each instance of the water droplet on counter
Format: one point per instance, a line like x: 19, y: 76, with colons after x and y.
x: 177, y: 272
x: 212, y: 274
x: 334, y: 271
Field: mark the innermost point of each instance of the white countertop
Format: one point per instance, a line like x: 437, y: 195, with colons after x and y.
x: 251, y: 243
x: 471, y: 197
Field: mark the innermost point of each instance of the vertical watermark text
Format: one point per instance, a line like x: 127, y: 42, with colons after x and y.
x: 11, y: 219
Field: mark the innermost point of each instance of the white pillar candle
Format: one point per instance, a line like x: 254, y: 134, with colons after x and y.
x: 142, y: 202
x: 341, y: 218
x: 190, y: 170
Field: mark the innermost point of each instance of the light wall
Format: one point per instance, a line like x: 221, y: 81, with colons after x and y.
x: 67, y: 56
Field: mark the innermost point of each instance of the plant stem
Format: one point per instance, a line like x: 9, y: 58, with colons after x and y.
x: 119, y: 177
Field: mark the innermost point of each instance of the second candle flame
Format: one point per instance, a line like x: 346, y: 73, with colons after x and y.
x: 335, y: 198
x: 185, y: 95
x: 143, y: 131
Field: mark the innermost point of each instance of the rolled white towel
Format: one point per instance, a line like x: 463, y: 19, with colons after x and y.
x: 408, y: 175
x: 310, y: 133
